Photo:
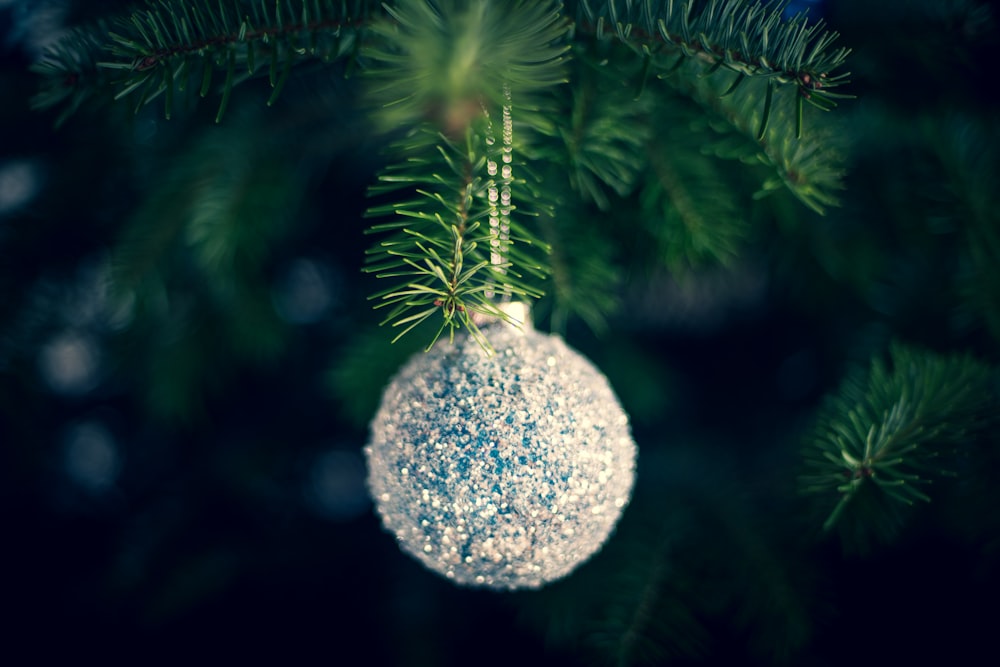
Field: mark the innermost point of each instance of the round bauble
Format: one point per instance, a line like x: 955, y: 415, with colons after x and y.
x: 505, y: 470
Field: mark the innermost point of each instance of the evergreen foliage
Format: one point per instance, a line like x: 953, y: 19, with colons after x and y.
x: 885, y: 436
x: 173, y: 47
x: 439, y: 70
x: 693, y: 199
x: 584, y: 278
x: 751, y: 39
x: 966, y: 152
x: 602, y: 148
x: 458, y: 244
x: 444, y: 59
x: 653, y: 146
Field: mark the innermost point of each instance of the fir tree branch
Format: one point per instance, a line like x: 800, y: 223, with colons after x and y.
x: 584, y: 276
x: 741, y: 61
x: 70, y: 74
x: 642, y: 609
x: 879, y: 441
x: 456, y: 246
x: 435, y: 65
x: 439, y: 66
x: 751, y: 40
x: 691, y: 210
x: 968, y: 149
x: 175, y: 46
x: 440, y: 59
x: 806, y: 162
x: 608, y: 130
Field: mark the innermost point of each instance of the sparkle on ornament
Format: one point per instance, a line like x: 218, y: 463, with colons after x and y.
x: 507, y: 470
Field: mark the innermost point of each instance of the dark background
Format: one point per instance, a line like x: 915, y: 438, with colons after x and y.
x: 166, y: 493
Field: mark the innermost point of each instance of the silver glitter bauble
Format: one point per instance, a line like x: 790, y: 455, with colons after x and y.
x: 506, y: 471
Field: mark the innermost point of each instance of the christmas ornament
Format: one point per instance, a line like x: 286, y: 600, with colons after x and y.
x: 505, y: 470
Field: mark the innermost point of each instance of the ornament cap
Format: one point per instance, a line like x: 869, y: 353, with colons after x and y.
x: 519, y: 314
x: 517, y: 317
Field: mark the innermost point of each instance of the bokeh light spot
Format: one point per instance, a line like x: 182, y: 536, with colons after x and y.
x: 70, y: 363
x: 91, y: 457
x: 20, y: 181
x: 305, y: 293
x: 336, y: 489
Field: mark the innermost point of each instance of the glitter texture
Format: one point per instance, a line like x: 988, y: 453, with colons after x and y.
x: 506, y: 471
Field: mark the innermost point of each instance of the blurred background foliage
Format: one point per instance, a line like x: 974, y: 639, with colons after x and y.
x: 188, y: 363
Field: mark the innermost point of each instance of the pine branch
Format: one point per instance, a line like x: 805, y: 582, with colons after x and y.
x: 175, y: 46
x: 747, y: 66
x: 434, y: 66
x: 458, y: 244
x: 693, y: 228
x: 70, y: 73
x: 968, y: 150
x: 979, y: 280
x: 603, y: 144
x: 750, y: 40
x: 646, y: 620
x: 755, y: 126
x: 692, y: 211
x: 441, y: 59
x: 584, y: 275
x: 878, y: 442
